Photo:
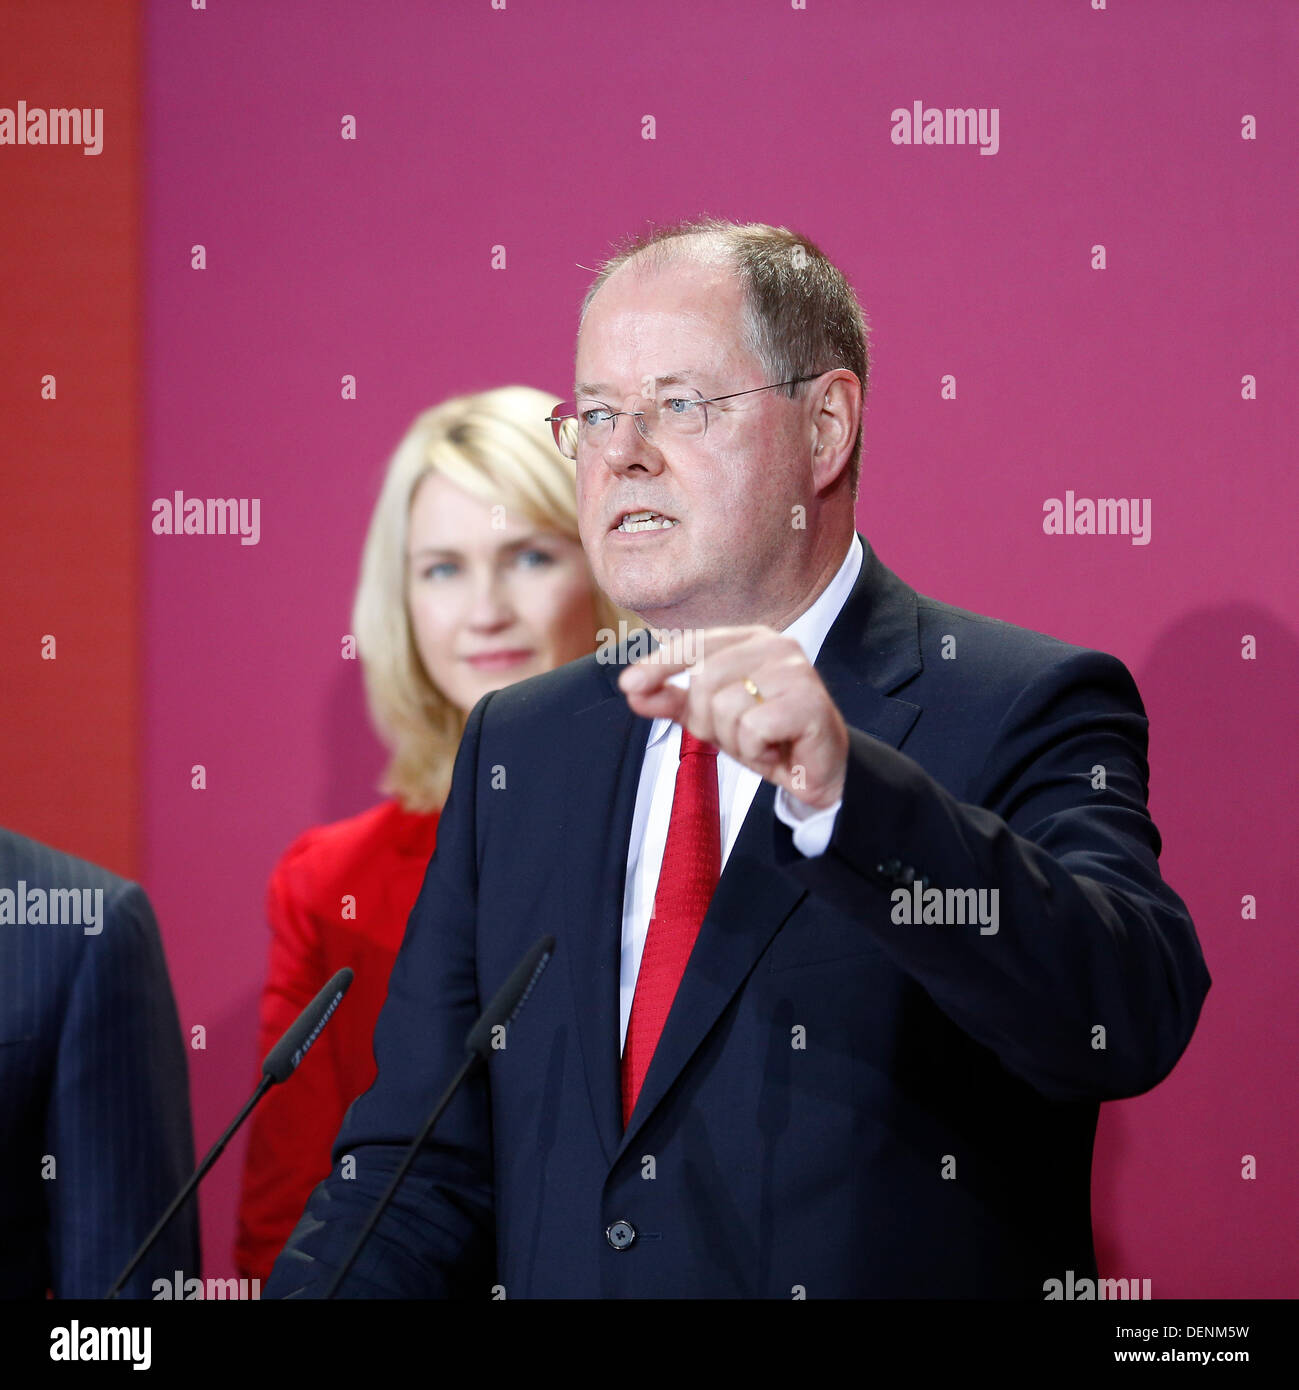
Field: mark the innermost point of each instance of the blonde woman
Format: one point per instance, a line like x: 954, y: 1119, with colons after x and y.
x: 472, y: 577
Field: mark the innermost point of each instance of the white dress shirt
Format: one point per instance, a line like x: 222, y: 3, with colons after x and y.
x: 736, y: 786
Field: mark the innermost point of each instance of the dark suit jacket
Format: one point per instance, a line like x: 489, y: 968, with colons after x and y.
x: 93, y: 1091
x: 839, y: 1104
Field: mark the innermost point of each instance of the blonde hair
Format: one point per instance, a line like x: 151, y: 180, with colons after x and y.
x: 497, y: 447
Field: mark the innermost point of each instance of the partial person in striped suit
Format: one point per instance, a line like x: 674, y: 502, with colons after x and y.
x: 93, y: 1086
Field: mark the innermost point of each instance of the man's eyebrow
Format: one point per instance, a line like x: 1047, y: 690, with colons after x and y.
x: 596, y: 389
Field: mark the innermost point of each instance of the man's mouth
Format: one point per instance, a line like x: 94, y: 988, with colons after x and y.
x: 645, y: 521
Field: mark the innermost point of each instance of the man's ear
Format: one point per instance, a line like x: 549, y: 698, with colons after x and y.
x: 835, y: 417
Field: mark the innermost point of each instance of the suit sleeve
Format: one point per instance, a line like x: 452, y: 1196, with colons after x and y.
x: 295, y: 1125
x: 118, y: 1124
x: 437, y: 1237
x: 1092, y: 983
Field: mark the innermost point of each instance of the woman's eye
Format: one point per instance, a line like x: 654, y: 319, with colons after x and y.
x: 440, y: 569
x: 535, y: 559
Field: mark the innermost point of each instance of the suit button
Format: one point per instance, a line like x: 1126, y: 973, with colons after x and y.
x: 907, y: 874
x: 890, y: 868
x: 620, y: 1235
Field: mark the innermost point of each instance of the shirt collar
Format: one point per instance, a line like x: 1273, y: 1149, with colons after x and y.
x: 809, y: 629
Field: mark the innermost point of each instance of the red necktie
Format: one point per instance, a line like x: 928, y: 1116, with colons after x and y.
x: 692, y: 864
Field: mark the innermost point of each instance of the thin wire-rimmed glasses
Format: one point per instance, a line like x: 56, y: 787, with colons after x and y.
x: 674, y: 413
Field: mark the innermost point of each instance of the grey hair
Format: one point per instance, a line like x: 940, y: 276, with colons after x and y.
x: 801, y: 315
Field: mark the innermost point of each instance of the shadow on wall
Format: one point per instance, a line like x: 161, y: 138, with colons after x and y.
x: 1168, y: 1196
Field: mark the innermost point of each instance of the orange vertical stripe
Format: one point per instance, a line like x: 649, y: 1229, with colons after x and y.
x: 69, y: 467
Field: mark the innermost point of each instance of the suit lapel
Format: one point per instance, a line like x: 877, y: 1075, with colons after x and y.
x: 610, y: 742
x: 872, y: 647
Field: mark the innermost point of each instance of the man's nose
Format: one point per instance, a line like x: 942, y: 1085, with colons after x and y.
x: 627, y: 448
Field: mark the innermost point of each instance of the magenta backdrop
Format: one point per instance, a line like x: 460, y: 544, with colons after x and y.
x: 522, y: 128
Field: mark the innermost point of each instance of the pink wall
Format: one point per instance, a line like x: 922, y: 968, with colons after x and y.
x: 523, y: 127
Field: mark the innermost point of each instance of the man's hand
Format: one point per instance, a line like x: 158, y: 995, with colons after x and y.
x: 790, y: 732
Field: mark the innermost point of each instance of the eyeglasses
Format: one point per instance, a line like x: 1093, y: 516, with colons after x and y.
x: 674, y: 414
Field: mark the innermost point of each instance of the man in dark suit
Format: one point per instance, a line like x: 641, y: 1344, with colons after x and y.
x: 93, y: 1086
x: 859, y: 915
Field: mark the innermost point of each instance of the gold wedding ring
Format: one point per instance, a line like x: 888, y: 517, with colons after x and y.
x: 752, y: 689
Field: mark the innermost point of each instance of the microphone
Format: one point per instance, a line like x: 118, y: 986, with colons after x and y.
x: 287, y: 1054
x: 505, y: 1007
x: 280, y: 1064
